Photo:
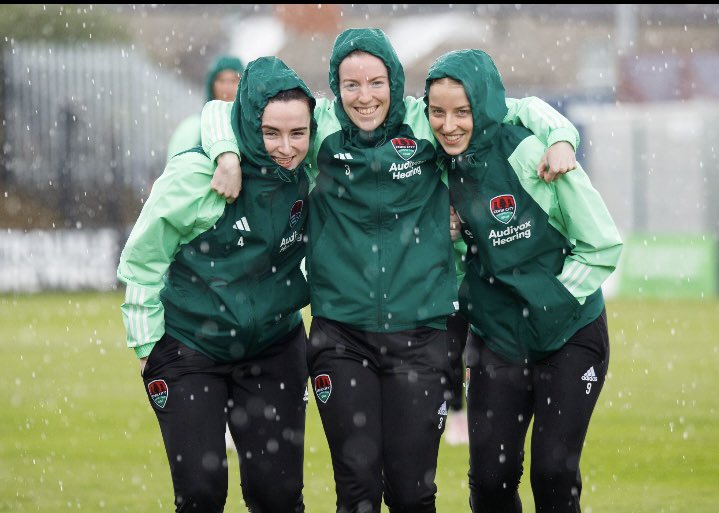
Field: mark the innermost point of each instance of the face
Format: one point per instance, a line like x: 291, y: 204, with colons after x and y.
x: 225, y: 85
x: 364, y: 90
x: 286, y: 131
x: 450, y: 115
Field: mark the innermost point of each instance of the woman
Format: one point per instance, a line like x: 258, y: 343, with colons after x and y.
x: 538, y: 253
x: 213, y: 299
x: 220, y: 84
x: 381, y: 277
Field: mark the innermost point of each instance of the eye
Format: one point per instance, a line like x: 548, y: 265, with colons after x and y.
x: 269, y: 133
x: 378, y: 83
x: 465, y: 112
x: 350, y: 86
x: 435, y: 112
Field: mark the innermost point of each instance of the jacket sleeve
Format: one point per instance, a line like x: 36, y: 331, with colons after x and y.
x: 180, y: 207
x: 216, y: 129
x: 542, y: 119
x: 577, y: 211
x: 587, y: 222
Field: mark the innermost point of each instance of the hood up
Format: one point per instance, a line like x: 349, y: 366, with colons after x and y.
x: 264, y: 78
x: 483, y: 86
x: 375, y: 42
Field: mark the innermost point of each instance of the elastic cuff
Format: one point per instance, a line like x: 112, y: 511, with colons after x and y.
x: 144, y: 350
x: 563, y: 134
x: 221, y: 147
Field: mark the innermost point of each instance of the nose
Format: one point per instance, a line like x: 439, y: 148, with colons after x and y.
x: 285, y: 147
x: 364, y: 93
x: 449, y: 124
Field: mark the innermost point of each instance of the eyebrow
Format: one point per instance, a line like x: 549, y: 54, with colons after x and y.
x: 270, y: 127
x: 368, y: 79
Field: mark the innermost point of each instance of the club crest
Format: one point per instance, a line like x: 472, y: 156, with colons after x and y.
x: 323, y: 387
x: 405, y: 148
x: 503, y: 207
x: 296, y: 213
x: 158, y: 392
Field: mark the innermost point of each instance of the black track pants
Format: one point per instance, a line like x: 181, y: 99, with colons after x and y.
x: 560, y: 392
x: 457, y: 328
x: 383, y: 403
x: 263, y: 399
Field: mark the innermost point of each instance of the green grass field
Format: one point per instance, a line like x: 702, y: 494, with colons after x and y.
x: 77, y: 433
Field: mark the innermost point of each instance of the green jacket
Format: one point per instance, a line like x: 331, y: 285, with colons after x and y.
x: 223, y: 279
x: 187, y: 133
x: 379, y: 254
x: 538, y: 252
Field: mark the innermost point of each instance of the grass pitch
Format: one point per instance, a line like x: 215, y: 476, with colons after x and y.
x: 77, y: 432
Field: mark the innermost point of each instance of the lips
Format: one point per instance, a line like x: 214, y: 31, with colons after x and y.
x: 366, y: 111
x: 452, y: 139
x: 283, y: 161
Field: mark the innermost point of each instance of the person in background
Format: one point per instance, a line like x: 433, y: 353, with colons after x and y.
x: 381, y: 273
x: 537, y: 256
x: 221, y: 84
x: 213, y: 299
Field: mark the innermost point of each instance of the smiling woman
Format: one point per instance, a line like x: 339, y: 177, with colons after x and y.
x: 286, y: 127
x: 364, y: 89
x: 213, y: 299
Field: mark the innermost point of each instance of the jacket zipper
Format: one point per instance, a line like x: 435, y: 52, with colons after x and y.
x: 378, y: 287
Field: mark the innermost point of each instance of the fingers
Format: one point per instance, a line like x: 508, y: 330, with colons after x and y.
x: 454, y: 224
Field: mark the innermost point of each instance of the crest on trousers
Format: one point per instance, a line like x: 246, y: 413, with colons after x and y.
x: 323, y: 387
x: 296, y: 213
x: 405, y: 148
x: 503, y: 207
x: 158, y: 392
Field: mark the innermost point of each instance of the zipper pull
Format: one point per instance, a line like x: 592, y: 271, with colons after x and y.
x: 452, y: 162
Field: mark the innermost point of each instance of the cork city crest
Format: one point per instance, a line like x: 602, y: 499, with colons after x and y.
x: 323, y: 387
x: 158, y: 392
x: 296, y: 213
x: 405, y: 148
x: 503, y: 207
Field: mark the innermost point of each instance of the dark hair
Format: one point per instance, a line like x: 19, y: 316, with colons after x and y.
x: 289, y: 95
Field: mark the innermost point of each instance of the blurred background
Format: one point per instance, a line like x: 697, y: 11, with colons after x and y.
x: 91, y: 95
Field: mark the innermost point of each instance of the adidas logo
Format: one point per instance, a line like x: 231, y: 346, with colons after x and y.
x: 589, y: 375
x: 442, y: 409
x: 343, y: 156
x: 242, y: 225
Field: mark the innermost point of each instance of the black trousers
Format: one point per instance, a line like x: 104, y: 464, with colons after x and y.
x: 457, y: 333
x: 382, y: 398
x: 264, y: 400
x: 560, y: 392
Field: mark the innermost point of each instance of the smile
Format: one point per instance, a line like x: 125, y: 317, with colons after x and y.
x: 366, y: 111
x: 453, y: 138
x: 283, y: 161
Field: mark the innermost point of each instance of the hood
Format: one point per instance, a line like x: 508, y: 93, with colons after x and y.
x: 375, y: 42
x: 264, y: 78
x: 483, y: 87
x: 221, y: 64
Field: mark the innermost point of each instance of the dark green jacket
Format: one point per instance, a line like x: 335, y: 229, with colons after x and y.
x: 232, y: 280
x: 538, y: 252
x: 379, y: 256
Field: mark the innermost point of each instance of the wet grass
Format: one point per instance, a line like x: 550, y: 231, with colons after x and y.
x: 77, y: 433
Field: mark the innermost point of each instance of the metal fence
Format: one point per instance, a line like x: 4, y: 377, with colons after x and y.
x: 88, y: 116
